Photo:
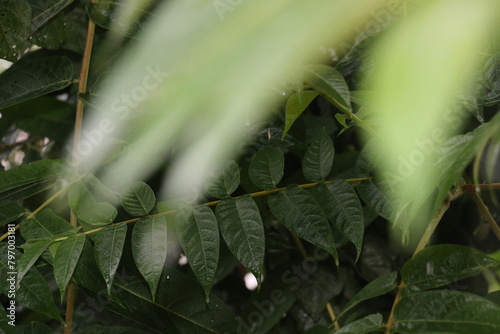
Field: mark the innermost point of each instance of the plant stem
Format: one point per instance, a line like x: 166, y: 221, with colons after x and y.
x: 82, y: 88
x: 479, y: 187
x: 486, y: 213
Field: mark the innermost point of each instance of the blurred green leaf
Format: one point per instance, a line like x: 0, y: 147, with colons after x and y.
x: 149, y: 248
x: 67, y: 256
x: 364, y: 325
x: 329, y: 83
x: 414, y: 95
x: 35, y: 75
x: 224, y: 184
x: 318, y: 160
x: 15, y: 18
x: 198, y: 235
x: 446, y: 311
x: 295, y: 106
x: 255, y: 54
x: 379, y: 286
x: 138, y: 199
x: 266, y: 167
x: 242, y: 229
x: 439, y: 265
x: 108, y: 249
x: 297, y: 210
x: 341, y: 205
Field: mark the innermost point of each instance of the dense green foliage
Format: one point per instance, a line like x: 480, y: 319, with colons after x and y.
x: 301, y: 207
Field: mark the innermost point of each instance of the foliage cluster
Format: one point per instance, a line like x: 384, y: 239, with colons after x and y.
x: 300, y: 208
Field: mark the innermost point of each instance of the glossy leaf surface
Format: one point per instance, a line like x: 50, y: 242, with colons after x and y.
x: 149, y: 248
x: 241, y: 227
x: 198, y: 234
x: 298, y: 211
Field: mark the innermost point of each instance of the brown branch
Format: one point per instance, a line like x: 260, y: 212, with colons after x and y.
x: 467, y: 188
x: 82, y: 88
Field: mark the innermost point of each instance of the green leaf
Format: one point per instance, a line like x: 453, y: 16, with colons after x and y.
x: 27, y: 180
x: 440, y: 265
x: 180, y: 305
x: 298, y: 211
x: 34, y: 292
x: 138, y: 199
x: 266, y: 167
x: 86, y: 274
x: 67, y: 256
x: 376, y: 199
x: 318, y: 160
x: 76, y: 28
x: 44, y: 225
x: 33, y: 76
x: 295, y: 106
x: 108, y: 249
x: 87, y: 208
x: 329, y: 83
x: 29, y: 257
x: 10, y: 212
x: 446, y: 311
x: 241, y: 227
x: 224, y: 184
x: 43, y: 11
x: 33, y: 327
x: 52, y: 35
x: 105, y: 14
x: 149, y: 248
x: 341, y: 118
x: 341, y: 205
x: 364, y: 325
x: 379, y: 286
x: 198, y: 235
x: 15, y: 17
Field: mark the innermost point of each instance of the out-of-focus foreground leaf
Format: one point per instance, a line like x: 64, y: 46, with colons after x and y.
x: 199, y: 81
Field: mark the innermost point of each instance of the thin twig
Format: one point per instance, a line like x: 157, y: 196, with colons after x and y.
x: 213, y: 203
x: 82, y: 88
x: 486, y: 213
